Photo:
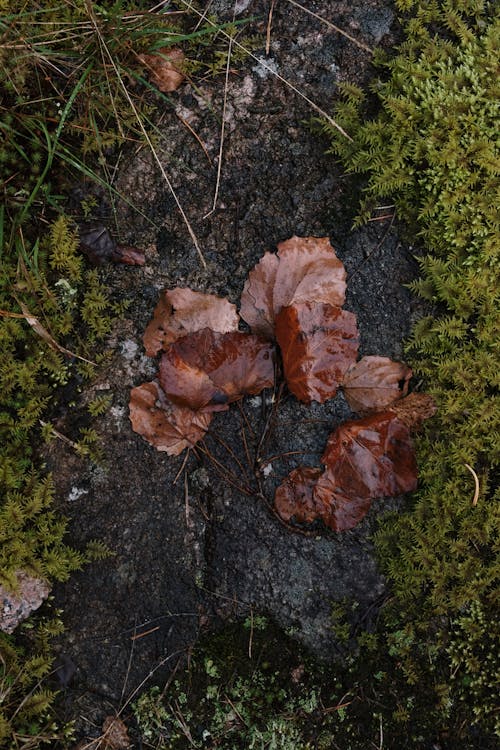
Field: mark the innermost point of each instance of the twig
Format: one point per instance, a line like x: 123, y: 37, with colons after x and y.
x: 222, y: 128
x: 476, y: 483
x: 269, y: 25
x: 375, y: 249
x: 146, y: 632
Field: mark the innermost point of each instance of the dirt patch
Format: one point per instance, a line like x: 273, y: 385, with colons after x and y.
x: 201, y: 544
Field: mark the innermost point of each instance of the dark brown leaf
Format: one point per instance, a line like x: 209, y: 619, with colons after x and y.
x: 181, y: 311
x: 168, y: 427
x: 319, y: 343
x: 99, y: 247
x: 207, y: 370
x: 294, y: 499
x: 165, y: 68
x: 374, y: 383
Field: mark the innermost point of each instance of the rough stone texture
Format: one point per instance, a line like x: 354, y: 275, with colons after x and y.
x: 16, y: 607
x: 194, y: 546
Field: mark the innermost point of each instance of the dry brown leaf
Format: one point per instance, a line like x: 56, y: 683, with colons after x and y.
x: 318, y: 343
x: 374, y: 383
x: 165, y: 68
x: 181, y: 311
x: 167, y: 427
x: 308, y: 271
x: 115, y: 734
x: 257, y: 297
x: 207, y: 370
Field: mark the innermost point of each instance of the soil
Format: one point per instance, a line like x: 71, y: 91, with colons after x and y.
x: 193, y: 543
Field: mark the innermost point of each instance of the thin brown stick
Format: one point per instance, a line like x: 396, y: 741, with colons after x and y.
x: 224, y: 472
x: 230, y: 451
x: 242, y: 412
x: 184, y: 462
x: 195, y: 135
x: 146, y: 632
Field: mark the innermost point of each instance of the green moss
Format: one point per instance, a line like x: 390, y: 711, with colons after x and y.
x: 433, y: 151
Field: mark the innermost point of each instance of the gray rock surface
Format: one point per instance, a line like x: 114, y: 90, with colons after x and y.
x: 198, y: 542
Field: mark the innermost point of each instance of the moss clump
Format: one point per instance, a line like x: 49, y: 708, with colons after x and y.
x: 433, y: 151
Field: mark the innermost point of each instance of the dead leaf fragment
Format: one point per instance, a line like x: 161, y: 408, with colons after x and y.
x: 181, y: 311
x: 115, y: 734
x: 373, y: 383
x: 294, y: 499
x: 99, y: 247
x: 318, y: 343
x: 165, y: 68
x: 208, y: 370
x: 166, y: 426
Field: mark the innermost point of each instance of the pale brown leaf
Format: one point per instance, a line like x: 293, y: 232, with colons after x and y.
x: 374, y: 383
x: 165, y: 68
x: 257, y: 307
x: 308, y: 271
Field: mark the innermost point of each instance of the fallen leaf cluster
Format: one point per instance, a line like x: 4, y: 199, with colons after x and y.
x: 293, y: 298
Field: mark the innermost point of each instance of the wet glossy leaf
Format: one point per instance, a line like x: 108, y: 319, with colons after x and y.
x: 374, y: 383
x: 365, y: 459
x: 207, y: 369
x: 165, y: 68
x: 181, y: 311
x: 318, y: 343
x: 167, y: 427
